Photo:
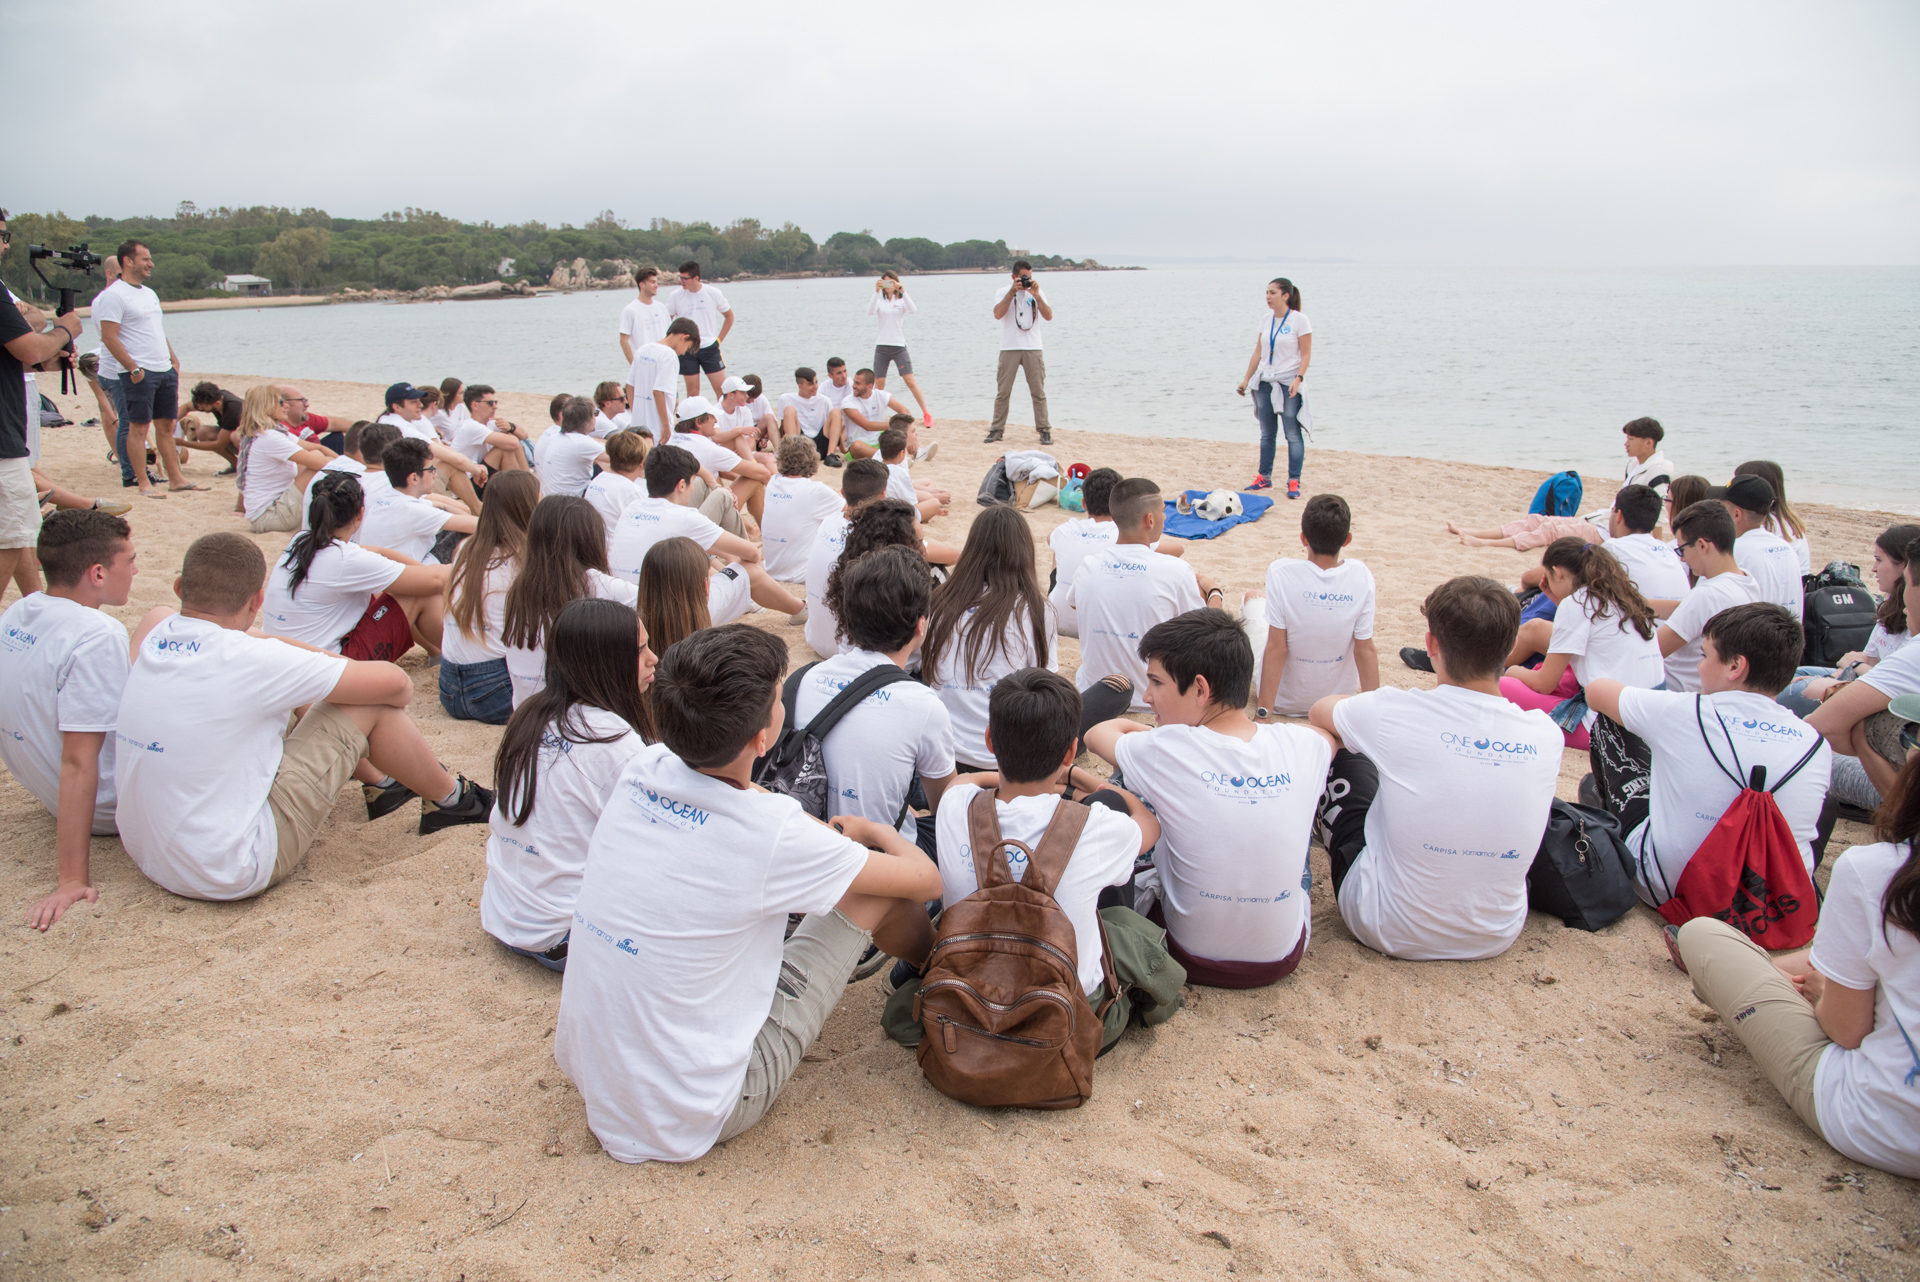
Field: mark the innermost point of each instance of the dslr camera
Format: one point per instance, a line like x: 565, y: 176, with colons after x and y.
x: 1024, y: 282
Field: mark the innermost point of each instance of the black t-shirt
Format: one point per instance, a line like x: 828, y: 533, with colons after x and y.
x: 229, y: 411
x: 13, y: 395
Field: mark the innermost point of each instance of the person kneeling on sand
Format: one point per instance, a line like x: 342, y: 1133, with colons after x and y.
x: 684, y: 1015
x: 1438, y: 799
x: 1230, y: 878
x: 203, y: 690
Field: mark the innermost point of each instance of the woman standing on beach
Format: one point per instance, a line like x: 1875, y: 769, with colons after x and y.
x: 1282, y: 350
x: 891, y: 304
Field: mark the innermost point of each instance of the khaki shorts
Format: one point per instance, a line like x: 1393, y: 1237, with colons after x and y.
x: 717, y: 506
x: 282, y: 514
x: 813, y: 975
x: 315, y: 764
x: 19, y: 503
x: 1734, y: 976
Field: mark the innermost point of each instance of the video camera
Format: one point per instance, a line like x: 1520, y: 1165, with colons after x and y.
x: 74, y: 258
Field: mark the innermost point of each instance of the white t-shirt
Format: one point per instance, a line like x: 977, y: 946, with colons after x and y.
x: 270, y: 469
x: 533, y: 872
x: 900, y: 484
x: 706, y: 306
x: 760, y: 407
x: 893, y: 313
x: 676, y: 949
x: 1867, y: 1108
x: 795, y: 507
x: 1772, y: 563
x: 1120, y: 592
x: 875, y: 407
x: 726, y: 420
x: 1689, y: 792
x: 828, y: 543
x: 837, y: 393
x: 1020, y: 327
x: 419, y: 429
x: 136, y: 309
x: 400, y: 523
x: 442, y: 423
x: 809, y: 411
x: 193, y: 810
x: 890, y: 736
x: 1104, y: 857
x: 62, y: 668
x: 1649, y: 473
x: 566, y: 462
x: 966, y: 701
x: 645, y: 522
x: 1897, y: 674
x: 656, y: 368
x: 610, y: 493
x: 1071, y: 540
x: 1689, y: 620
x: 456, y: 646
x: 603, y: 427
x: 1323, y: 612
x: 1235, y: 823
x: 1438, y: 879
x: 341, y: 582
x: 527, y: 665
x: 338, y: 463
x: 1652, y: 567
x: 470, y: 437
x: 712, y: 455
x: 1882, y: 643
x: 1279, y: 339
x: 644, y: 323
x: 1604, y: 647
x: 729, y: 596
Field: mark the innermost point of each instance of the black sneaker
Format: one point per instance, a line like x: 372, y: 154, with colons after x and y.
x: 870, y: 961
x: 383, y: 801
x: 903, y: 973
x: 473, y: 806
x: 227, y: 471
x: 1415, y: 658
x: 832, y: 460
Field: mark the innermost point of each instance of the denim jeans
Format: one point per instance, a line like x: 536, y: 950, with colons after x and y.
x: 477, y: 691
x: 1271, y: 422
x: 116, y: 389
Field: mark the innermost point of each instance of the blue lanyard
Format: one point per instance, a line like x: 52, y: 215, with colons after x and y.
x: 1274, y: 330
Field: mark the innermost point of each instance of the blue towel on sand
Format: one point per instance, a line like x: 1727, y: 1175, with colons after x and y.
x: 1182, y: 526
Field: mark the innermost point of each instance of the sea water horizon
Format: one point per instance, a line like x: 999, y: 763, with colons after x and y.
x: 1817, y: 368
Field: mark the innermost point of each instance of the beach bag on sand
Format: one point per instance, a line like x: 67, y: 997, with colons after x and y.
x: 1006, y: 1024
x: 1580, y: 874
x: 796, y: 765
x: 1749, y: 872
x: 1558, y: 495
x: 1837, y: 617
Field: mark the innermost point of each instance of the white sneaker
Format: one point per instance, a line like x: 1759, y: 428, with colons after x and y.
x: 927, y: 452
x: 798, y: 620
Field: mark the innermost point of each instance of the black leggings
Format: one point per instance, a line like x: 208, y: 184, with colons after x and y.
x: 1104, y: 700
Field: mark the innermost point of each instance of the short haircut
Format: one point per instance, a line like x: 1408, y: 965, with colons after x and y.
x: 557, y: 404
x: 901, y: 421
x: 625, y: 450
x: 690, y: 268
x: 128, y: 248
x: 1097, y: 489
x: 1707, y: 520
x: 886, y: 593
x: 862, y: 480
x: 375, y: 440
x: 834, y: 363
x: 476, y: 392
x: 350, y: 439
x: 1766, y: 636
x: 642, y: 272
x: 1476, y: 621
x: 1034, y: 717
x: 758, y: 384
x: 220, y: 573
x: 577, y: 414
x: 1204, y: 643
x: 666, y: 467
x: 1132, y: 499
x: 1639, y: 507
x: 1326, y: 522
x: 797, y: 456
x: 805, y: 374
x: 1022, y: 265
x: 403, y: 458
x: 893, y: 442
x: 867, y: 372
x: 715, y: 690
x: 607, y: 391
x: 686, y: 327
x: 1646, y: 428
x: 205, y: 394
x: 73, y: 542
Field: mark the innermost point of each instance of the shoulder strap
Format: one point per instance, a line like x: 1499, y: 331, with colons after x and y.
x: 1758, y: 779
x: 1048, y: 862
x: 989, y: 858
x: 1798, y: 765
x: 790, y: 692
x: 881, y: 674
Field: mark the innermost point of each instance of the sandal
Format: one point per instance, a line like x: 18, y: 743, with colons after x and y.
x: 181, y: 489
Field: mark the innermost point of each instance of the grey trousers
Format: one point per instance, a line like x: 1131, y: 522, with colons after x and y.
x: 1035, y: 364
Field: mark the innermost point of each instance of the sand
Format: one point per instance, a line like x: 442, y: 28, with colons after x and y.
x: 347, y: 1078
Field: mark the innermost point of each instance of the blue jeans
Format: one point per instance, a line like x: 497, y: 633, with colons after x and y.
x: 1271, y: 423
x: 477, y: 691
x: 117, y: 393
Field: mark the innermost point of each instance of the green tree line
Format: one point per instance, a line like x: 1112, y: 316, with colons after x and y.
x: 311, y: 251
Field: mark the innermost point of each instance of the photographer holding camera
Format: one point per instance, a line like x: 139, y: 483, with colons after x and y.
x: 20, y: 351
x: 128, y: 314
x: 1020, y: 311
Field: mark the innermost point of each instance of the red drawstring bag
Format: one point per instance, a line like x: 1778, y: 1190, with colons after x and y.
x: 1749, y: 871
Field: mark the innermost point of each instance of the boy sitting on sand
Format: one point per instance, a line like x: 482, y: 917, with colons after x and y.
x: 1438, y: 798
x: 233, y: 832
x: 1318, y: 616
x: 1074, y: 538
x: 399, y: 517
x: 684, y: 1016
x: 667, y: 512
x: 895, y: 444
x: 1705, y: 535
x: 796, y: 506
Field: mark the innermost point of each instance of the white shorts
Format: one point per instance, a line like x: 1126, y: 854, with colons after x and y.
x: 19, y: 504
x: 729, y: 595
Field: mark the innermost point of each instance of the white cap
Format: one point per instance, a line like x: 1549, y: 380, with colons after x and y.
x: 735, y: 384
x: 692, y: 407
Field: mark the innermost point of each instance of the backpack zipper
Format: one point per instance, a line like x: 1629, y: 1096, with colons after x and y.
x: 1037, y: 994
x: 948, y: 1024
x: 991, y: 934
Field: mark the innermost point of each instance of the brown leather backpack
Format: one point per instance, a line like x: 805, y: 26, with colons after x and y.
x: 1006, y: 1024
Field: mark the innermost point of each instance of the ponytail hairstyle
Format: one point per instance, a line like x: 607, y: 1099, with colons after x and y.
x: 995, y: 579
x: 334, y: 501
x: 1288, y: 288
x: 565, y: 539
x: 499, y: 538
x: 593, y: 661
x: 1898, y: 820
x: 1610, y: 593
x: 256, y: 411
x: 1781, y: 514
x: 881, y: 524
x: 673, y: 592
x: 1894, y: 541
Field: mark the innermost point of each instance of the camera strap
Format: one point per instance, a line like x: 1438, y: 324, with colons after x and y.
x: 1033, y: 309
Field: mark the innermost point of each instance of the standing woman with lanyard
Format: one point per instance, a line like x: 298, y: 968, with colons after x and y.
x: 1282, y: 349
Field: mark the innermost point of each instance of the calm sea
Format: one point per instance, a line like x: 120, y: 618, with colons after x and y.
x: 1818, y: 368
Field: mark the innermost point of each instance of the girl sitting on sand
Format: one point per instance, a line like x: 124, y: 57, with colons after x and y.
x: 565, y: 560
x: 474, y: 684
x: 1781, y: 518
x: 682, y: 592
x: 562, y: 753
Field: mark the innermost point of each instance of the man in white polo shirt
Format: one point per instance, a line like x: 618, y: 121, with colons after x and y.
x: 1020, y: 311
x: 400, y: 519
x: 706, y: 307
x: 667, y: 512
x: 644, y: 320
x: 809, y: 412
x: 653, y: 382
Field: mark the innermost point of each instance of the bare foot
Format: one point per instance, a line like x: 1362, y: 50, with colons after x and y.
x: 1452, y: 528
x: 1472, y: 542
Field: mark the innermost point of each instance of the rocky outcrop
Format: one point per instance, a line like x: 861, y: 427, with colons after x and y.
x: 608, y: 273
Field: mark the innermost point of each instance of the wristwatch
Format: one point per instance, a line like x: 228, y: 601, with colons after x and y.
x: 1261, y: 714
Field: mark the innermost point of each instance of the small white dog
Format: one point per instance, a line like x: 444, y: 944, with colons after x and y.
x: 1217, y: 506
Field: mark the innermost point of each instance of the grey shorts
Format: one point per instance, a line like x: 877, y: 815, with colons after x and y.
x: 887, y: 354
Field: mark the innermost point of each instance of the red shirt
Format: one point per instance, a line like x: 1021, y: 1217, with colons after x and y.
x: 316, y: 426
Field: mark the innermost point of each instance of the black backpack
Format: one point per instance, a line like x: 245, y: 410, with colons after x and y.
x: 796, y: 766
x: 1837, y: 617
x: 1580, y: 874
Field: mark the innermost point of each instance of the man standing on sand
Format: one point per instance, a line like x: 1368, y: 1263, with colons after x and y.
x: 706, y: 307
x: 1020, y: 311
x: 644, y: 320
x: 405, y: 412
x: 128, y: 314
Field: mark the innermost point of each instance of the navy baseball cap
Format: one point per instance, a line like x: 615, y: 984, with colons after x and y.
x: 401, y: 392
x: 1749, y: 493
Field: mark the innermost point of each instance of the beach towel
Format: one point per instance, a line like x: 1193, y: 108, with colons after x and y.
x: 1182, y: 526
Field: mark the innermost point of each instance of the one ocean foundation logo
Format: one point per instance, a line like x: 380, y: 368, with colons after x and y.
x: 1487, y: 748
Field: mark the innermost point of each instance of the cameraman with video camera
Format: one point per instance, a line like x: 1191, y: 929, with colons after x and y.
x: 1020, y: 311
x: 21, y: 350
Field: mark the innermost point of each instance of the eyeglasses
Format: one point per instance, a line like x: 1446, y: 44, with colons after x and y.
x: 288, y: 400
x: 490, y: 400
x: 1682, y: 547
x: 6, y: 237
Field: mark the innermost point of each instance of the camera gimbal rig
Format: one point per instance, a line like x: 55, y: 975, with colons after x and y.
x: 78, y: 258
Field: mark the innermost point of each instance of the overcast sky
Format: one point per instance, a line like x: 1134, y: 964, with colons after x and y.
x: 1472, y: 132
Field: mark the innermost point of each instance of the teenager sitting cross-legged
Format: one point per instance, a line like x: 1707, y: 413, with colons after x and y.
x: 474, y: 682
x: 1073, y: 538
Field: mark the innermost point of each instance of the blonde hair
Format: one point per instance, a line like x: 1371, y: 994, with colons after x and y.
x: 256, y: 411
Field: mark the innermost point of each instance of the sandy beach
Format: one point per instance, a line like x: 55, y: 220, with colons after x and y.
x: 347, y: 1078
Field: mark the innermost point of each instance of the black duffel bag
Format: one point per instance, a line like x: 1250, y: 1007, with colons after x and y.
x: 1580, y: 874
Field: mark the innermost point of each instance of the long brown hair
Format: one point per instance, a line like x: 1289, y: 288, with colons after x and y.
x: 673, y: 592
x: 1791, y: 526
x: 995, y: 578
x: 450, y: 392
x: 1898, y: 819
x: 1684, y: 491
x: 1894, y: 541
x: 499, y: 538
x: 565, y: 539
x: 883, y: 523
x: 1609, y: 591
